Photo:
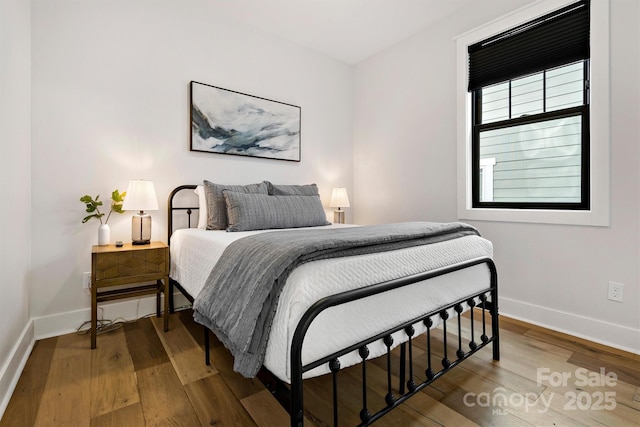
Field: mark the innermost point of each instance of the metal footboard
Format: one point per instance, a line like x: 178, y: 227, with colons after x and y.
x: 488, y: 303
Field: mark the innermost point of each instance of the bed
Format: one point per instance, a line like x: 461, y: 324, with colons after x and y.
x: 393, y: 297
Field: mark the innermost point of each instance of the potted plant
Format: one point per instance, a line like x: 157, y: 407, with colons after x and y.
x: 93, y: 209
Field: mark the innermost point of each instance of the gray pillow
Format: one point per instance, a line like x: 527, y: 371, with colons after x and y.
x: 216, y: 206
x: 293, y: 190
x: 260, y: 212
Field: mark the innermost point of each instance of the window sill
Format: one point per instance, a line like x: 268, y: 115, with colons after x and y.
x: 570, y: 217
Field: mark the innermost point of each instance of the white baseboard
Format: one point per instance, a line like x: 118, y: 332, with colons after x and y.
x: 13, y: 367
x: 610, y: 334
x: 131, y: 309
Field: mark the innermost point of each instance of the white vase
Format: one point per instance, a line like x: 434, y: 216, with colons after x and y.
x: 104, y: 235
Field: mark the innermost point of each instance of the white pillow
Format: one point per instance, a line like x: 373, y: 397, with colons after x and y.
x: 202, y: 204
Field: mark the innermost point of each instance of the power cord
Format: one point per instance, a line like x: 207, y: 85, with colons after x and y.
x: 106, y: 325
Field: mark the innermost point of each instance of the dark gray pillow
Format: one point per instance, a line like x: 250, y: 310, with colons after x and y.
x: 216, y: 205
x: 260, y: 212
x: 293, y: 190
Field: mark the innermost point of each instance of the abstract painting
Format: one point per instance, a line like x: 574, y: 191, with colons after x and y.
x: 228, y: 122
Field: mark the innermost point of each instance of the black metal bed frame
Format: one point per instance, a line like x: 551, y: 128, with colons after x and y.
x: 488, y: 305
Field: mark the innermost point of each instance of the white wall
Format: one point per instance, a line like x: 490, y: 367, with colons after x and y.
x: 15, y: 212
x: 405, y: 169
x: 111, y: 103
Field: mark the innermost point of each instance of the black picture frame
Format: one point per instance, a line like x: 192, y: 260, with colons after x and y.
x: 224, y: 121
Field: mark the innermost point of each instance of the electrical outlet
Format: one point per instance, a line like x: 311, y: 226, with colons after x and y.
x: 616, y: 291
x: 86, y: 280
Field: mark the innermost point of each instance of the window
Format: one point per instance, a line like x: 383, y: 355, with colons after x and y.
x: 533, y: 126
x: 535, y: 130
x: 533, y: 140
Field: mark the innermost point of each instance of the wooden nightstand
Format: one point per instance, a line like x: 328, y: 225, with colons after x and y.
x: 128, y: 268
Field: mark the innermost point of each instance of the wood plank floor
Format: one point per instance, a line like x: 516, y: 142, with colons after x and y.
x: 141, y: 376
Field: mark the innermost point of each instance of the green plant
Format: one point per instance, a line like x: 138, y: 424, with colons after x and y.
x: 93, y: 206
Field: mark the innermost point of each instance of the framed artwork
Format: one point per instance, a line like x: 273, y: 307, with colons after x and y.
x: 228, y: 122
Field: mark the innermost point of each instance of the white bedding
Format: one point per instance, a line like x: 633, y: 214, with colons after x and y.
x: 195, y: 251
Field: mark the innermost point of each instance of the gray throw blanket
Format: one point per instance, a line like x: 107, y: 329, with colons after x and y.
x: 239, y: 300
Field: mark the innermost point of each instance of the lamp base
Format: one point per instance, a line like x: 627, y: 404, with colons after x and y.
x: 141, y: 229
x: 141, y: 242
x: 338, y: 216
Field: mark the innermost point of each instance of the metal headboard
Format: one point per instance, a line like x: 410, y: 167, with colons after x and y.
x: 189, y: 209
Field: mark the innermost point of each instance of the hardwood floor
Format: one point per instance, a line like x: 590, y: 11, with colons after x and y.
x: 141, y: 376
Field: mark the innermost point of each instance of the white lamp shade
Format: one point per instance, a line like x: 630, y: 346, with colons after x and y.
x: 339, y: 198
x: 141, y: 196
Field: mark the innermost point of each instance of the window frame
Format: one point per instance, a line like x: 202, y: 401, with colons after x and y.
x: 597, y: 212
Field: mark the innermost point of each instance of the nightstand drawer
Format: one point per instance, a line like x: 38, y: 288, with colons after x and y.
x: 114, y: 265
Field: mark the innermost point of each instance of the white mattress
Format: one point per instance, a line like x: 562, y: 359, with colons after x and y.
x: 195, y: 251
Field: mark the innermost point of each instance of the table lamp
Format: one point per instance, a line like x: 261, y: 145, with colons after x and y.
x: 141, y: 196
x: 339, y: 199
